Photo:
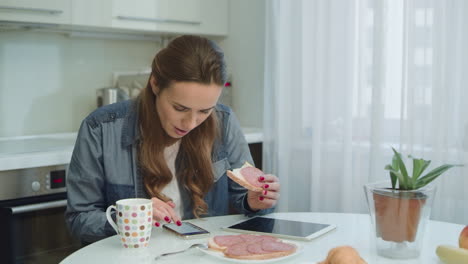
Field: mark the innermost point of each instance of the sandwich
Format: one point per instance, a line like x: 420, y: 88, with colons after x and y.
x: 247, y: 176
x: 251, y: 247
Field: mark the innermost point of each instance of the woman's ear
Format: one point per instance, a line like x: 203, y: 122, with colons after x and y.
x: 154, y: 85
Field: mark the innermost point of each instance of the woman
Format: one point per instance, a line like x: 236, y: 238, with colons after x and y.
x: 172, y: 144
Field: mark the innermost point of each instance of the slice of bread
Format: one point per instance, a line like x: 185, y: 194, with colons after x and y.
x: 237, y: 176
x: 213, y: 246
x: 264, y: 256
x: 228, y: 240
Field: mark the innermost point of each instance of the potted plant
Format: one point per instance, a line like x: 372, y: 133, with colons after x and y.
x: 399, y: 212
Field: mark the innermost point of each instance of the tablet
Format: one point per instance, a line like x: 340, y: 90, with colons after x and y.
x: 281, y: 228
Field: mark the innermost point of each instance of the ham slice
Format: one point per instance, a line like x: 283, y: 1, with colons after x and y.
x: 226, y: 241
x: 251, y: 175
x: 247, y: 176
x: 273, y: 246
x: 251, y: 246
x: 238, y: 250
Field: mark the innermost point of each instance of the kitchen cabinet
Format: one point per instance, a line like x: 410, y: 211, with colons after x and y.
x: 155, y: 15
x: 205, y: 17
x: 44, y: 11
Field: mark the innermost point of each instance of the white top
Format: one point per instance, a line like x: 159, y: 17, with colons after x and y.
x: 351, y: 229
x: 172, y: 189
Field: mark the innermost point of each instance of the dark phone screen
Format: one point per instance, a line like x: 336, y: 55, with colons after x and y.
x: 186, y: 229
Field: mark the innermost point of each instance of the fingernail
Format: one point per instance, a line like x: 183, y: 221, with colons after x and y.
x: 261, y: 178
x: 157, y: 224
x: 178, y: 223
x: 167, y: 219
x: 261, y: 198
x: 265, y: 192
x: 266, y: 186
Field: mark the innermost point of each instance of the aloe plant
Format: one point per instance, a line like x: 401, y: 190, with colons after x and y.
x: 399, y: 173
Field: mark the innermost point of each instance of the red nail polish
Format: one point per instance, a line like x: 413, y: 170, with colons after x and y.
x: 167, y: 219
x: 156, y: 224
x: 261, y: 178
x: 261, y: 198
x: 266, y: 186
x: 178, y: 223
x: 265, y: 192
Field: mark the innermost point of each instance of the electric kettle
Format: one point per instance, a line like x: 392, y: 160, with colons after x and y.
x: 110, y: 95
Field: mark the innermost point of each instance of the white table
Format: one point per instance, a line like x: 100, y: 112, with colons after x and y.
x: 352, y: 229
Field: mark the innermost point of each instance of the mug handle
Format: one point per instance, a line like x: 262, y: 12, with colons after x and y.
x: 109, y: 217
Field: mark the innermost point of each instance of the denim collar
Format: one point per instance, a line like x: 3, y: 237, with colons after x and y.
x: 130, y: 131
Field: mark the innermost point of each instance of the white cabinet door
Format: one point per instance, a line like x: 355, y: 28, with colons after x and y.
x: 204, y: 17
x: 43, y: 11
x: 181, y: 11
x: 95, y: 13
x: 155, y: 15
x: 140, y: 14
x: 214, y: 14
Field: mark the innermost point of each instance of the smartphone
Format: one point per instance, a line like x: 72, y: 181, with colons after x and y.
x: 187, y: 230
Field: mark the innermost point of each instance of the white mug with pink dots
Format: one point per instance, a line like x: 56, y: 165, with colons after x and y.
x: 133, y: 221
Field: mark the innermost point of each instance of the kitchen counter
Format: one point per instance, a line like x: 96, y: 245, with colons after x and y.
x: 56, y: 149
x: 253, y: 135
x: 36, y: 151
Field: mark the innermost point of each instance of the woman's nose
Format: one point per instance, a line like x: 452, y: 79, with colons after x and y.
x: 190, y: 122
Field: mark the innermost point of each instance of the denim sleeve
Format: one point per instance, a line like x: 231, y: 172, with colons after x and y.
x: 238, y: 153
x: 85, y: 214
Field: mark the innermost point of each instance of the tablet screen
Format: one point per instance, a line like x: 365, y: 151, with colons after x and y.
x: 287, y: 228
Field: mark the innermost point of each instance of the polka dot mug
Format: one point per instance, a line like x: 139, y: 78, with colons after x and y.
x: 133, y: 221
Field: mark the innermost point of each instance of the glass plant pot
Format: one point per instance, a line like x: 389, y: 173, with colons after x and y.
x: 399, y: 218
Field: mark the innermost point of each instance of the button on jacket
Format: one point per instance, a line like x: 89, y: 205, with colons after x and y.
x: 103, y: 169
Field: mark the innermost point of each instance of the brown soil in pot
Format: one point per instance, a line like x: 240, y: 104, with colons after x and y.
x: 397, y: 214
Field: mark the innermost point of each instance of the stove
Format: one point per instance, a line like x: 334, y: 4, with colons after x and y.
x: 33, y: 199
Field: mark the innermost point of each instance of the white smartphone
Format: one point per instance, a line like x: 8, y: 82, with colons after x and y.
x: 187, y: 230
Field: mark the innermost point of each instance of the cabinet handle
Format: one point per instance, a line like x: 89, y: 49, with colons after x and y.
x: 28, y: 9
x: 37, y: 207
x: 158, y: 20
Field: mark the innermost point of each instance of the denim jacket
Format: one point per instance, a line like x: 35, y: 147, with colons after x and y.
x: 103, y: 169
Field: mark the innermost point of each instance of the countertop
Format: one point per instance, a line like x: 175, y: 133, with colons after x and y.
x: 56, y: 149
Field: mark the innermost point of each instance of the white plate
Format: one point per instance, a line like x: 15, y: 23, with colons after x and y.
x: 220, y: 255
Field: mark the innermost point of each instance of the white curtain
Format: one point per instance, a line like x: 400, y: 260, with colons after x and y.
x: 346, y: 80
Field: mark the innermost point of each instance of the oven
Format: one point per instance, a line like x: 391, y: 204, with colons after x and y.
x: 32, y: 221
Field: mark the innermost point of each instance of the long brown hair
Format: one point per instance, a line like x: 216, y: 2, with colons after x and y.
x: 186, y: 58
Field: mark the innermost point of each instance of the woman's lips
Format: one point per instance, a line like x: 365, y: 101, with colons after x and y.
x: 180, y: 132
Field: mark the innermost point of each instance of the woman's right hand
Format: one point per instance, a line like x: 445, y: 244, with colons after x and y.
x: 164, y: 212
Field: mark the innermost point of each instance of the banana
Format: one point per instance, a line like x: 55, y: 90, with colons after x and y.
x: 452, y: 255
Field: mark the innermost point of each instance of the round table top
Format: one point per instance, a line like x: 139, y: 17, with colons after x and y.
x: 352, y: 229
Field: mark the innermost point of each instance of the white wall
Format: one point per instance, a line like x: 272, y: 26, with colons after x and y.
x: 48, y: 81
x: 244, y: 49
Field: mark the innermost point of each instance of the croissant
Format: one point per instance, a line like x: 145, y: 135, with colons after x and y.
x: 343, y: 255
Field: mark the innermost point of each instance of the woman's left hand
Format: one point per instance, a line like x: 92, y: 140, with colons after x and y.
x: 268, y: 197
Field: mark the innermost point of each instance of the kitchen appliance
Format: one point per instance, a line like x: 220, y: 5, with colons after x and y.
x: 110, y: 95
x: 125, y: 85
x: 32, y: 223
